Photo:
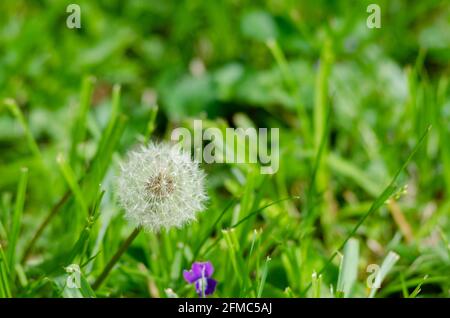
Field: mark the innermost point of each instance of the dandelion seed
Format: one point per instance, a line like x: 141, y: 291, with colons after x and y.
x: 200, y: 275
x: 161, y: 187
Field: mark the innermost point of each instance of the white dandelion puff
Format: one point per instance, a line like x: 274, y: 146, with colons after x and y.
x: 161, y: 187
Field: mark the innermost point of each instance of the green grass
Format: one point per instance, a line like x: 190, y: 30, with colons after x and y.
x: 363, y: 117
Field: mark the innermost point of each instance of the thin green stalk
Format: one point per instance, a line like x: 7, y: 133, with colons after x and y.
x: 321, y: 94
x: 69, y: 176
x: 5, y: 289
x: 263, y: 277
x: 259, y: 210
x: 16, y: 221
x: 89, y: 182
x: 247, y: 265
x: 80, y: 126
x: 316, y: 285
x: 348, y: 271
x: 386, y: 267
x: 227, y: 207
x: 385, y: 195
x: 115, y: 258
x: 246, y: 218
x: 321, y: 109
x: 53, y: 212
x: 151, y: 125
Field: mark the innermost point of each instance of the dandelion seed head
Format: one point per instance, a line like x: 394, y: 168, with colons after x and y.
x: 160, y: 187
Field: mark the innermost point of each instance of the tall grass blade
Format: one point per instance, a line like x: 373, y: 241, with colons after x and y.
x: 386, y: 267
x: 348, y: 271
x: 379, y: 201
x: 263, y: 277
x: 15, y: 110
x: 71, y: 180
x: 80, y: 124
x: 5, y: 289
x: 16, y: 221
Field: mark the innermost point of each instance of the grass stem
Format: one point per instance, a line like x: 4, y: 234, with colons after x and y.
x: 115, y: 258
x: 53, y: 212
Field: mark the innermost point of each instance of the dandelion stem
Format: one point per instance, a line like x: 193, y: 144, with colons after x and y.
x: 115, y: 258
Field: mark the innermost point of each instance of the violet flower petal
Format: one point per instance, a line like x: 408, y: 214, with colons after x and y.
x: 200, y: 274
x: 210, y: 286
x: 209, y: 269
x: 190, y: 277
x: 203, y: 269
x: 197, y: 269
x: 205, y: 287
x: 199, y: 287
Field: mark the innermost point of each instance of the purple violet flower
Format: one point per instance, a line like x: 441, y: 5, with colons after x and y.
x: 200, y: 275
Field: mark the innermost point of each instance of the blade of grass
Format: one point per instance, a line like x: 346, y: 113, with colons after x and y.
x: 246, y: 218
x: 321, y: 94
x: 235, y: 257
x: 85, y: 288
x: 253, y: 213
x: 386, y: 267
x: 102, y: 160
x: 316, y: 285
x: 151, y: 125
x: 348, y: 271
x: 263, y: 277
x: 90, y: 182
x: 15, y: 110
x: 81, y: 244
x: 82, y: 290
x: 113, y: 119
x: 379, y: 201
x: 418, y: 289
x: 16, y: 221
x: 70, y: 178
x: 403, y: 284
x: 348, y: 169
x: 308, y: 214
x: 104, y: 274
x: 247, y: 265
x: 213, y: 227
x: 290, y: 82
x: 321, y: 119
x: 5, y: 289
x: 79, y: 129
x: 53, y: 212
x: 443, y: 131
x: 412, y: 283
